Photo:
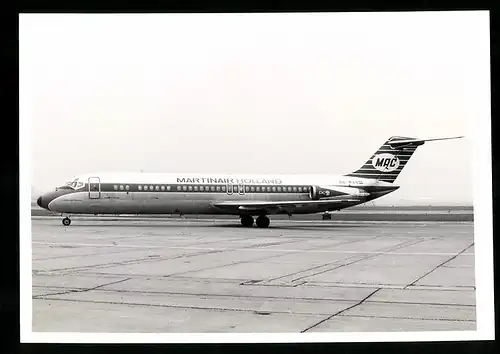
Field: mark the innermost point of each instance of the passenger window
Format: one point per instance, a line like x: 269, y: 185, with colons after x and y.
x: 217, y: 188
x: 223, y: 188
x: 300, y: 189
x: 127, y: 187
x: 121, y: 187
x: 115, y: 187
x: 202, y: 189
x: 145, y: 188
x: 274, y: 189
x: 178, y: 188
x: 279, y: 189
x: 212, y: 188
x: 168, y: 188
x: 247, y: 189
x: 157, y: 188
x: 252, y: 188
x: 162, y: 188
x: 190, y: 188
x: 295, y: 189
x: 258, y: 188
x: 196, y: 188
x: 150, y: 188
x: 184, y: 188
x: 139, y: 188
x: 268, y: 189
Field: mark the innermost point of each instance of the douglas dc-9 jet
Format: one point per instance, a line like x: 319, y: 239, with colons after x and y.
x: 246, y: 196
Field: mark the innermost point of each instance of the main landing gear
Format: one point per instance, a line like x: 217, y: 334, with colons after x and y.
x: 262, y: 221
x: 247, y: 220
x: 66, y: 221
x: 327, y: 216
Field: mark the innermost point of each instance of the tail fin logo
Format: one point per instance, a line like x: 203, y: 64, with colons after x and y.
x: 385, y: 162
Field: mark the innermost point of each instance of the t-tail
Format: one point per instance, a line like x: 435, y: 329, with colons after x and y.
x: 390, y: 159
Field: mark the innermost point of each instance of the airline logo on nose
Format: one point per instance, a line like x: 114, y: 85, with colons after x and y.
x: 385, y: 162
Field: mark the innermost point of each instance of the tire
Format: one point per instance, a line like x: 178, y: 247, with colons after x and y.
x: 263, y: 221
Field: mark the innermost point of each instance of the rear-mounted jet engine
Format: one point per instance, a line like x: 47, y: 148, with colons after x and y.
x: 330, y: 192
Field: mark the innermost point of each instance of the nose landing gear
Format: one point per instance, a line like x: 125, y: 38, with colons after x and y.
x: 66, y: 221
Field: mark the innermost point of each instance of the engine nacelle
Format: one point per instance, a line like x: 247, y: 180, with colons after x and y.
x: 317, y: 192
x: 326, y: 192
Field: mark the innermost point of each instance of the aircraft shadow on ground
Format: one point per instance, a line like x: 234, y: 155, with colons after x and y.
x: 292, y: 227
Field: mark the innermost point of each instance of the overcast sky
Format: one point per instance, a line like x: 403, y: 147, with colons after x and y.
x: 254, y: 93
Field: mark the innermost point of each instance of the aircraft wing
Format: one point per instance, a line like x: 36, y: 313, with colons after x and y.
x: 283, y: 205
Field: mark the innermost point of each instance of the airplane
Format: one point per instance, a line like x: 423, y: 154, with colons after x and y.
x: 246, y: 196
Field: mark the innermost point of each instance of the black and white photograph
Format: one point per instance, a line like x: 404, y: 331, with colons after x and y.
x: 263, y: 177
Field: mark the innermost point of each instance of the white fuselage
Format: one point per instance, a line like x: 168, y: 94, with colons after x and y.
x: 146, y: 193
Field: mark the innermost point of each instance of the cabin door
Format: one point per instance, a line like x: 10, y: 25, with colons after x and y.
x: 94, y: 188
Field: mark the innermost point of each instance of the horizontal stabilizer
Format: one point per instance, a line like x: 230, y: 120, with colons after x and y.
x: 416, y: 142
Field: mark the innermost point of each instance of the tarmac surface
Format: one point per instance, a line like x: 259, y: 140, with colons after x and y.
x: 174, y: 275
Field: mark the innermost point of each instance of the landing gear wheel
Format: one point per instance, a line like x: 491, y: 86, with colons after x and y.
x: 262, y: 221
x: 247, y: 220
x: 327, y: 216
x: 66, y: 221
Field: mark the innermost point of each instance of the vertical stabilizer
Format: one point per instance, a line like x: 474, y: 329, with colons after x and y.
x: 390, y: 159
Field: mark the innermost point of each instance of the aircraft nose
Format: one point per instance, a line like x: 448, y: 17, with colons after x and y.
x: 43, y: 202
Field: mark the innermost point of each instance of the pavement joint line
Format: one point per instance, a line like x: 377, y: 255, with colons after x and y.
x: 439, y: 265
x: 114, y: 264
x: 245, y: 282
x: 218, y: 241
x: 312, y: 250
x: 223, y: 265
x: 186, y: 294
x: 389, y: 286
x: 83, y: 255
x: 319, y: 266
x: 83, y: 290
x: 340, y: 312
x: 217, y: 309
x: 249, y: 296
x: 409, y: 318
x: 249, y: 248
x: 149, y: 259
x: 391, y: 248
